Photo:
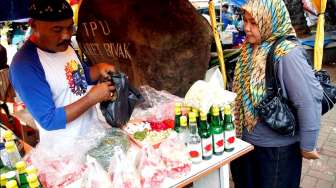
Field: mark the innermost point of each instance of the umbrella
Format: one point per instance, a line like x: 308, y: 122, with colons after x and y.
x: 320, y: 6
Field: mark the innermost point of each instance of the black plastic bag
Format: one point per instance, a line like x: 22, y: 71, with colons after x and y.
x: 118, y: 111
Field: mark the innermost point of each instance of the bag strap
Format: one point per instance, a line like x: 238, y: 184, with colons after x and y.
x: 272, y: 84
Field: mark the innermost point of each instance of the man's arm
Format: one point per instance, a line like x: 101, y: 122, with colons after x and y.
x: 28, y: 79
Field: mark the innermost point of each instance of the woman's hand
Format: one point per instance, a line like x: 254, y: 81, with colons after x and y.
x: 310, y: 154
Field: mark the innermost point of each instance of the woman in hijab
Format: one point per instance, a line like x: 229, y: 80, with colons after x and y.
x: 276, y: 160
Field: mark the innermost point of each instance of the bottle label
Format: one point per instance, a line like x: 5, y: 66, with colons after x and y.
x: 206, y: 147
x: 195, y: 152
x: 218, y: 142
x: 230, y: 138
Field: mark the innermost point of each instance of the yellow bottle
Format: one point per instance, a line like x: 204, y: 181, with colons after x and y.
x: 3, y: 180
x: 9, y: 135
x: 13, y: 154
x: 21, y: 169
x: 31, y: 170
x: 33, y: 181
x: 11, y: 184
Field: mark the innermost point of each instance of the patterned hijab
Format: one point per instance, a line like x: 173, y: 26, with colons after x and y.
x: 273, y: 21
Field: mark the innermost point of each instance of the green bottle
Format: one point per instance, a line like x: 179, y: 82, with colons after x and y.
x: 195, y: 110
x: 177, y: 117
x: 229, y: 130
x: 21, y: 169
x: 206, y: 138
x: 33, y: 181
x: 217, y: 132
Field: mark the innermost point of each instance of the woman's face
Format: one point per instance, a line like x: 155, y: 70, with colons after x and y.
x: 251, y: 29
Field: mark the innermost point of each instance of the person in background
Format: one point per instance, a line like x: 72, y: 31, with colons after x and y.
x: 276, y: 160
x: 3, y: 57
x: 226, y: 16
x: 50, y: 79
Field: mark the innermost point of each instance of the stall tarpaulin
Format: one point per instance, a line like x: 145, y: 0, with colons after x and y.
x: 320, y: 6
x: 13, y: 9
x: 238, y: 3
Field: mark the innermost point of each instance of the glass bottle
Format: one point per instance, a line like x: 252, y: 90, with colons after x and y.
x: 184, y: 132
x: 217, y: 132
x: 21, y: 169
x: 11, y: 184
x: 9, y: 136
x: 229, y: 130
x: 195, y: 110
x: 12, y: 152
x: 11, y: 175
x: 206, y: 137
x: 33, y: 181
x: 178, y: 114
x: 3, y: 180
x: 194, y: 140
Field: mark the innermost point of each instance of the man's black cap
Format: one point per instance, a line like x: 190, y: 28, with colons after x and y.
x: 50, y: 10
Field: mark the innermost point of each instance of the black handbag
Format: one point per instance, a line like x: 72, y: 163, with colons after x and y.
x: 118, y: 111
x: 329, y: 90
x: 275, y: 109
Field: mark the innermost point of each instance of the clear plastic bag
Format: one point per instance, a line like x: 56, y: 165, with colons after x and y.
x: 158, y: 105
x: 122, y: 171
x: 150, y: 167
x: 62, y: 161
x: 103, y: 152
x: 174, y: 155
x: 95, y: 176
x: 202, y: 95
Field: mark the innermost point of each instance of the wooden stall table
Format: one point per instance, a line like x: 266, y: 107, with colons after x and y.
x: 212, y: 173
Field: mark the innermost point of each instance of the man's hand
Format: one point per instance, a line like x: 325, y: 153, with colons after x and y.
x: 101, y: 92
x: 310, y: 154
x: 101, y: 70
x: 98, y: 93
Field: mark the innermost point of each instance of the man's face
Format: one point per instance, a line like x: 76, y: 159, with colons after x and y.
x: 53, y: 36
x: 253, y: 35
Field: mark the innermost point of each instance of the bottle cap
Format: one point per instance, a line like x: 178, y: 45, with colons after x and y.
x: 11, y: 184
x: 33, y: 181
x: 8, y: 135
x: 192, y: 117
x: 3, y: 180
x: 31, y: 170
x: 215, y: 110
x: 195, y: 110
x: 10, y: 146
x: 203, y: 116
x: 21, y: 167
x: 177, y: 110
x: 183, y: 121
x: 227, y: 109
x: 178, y: 105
